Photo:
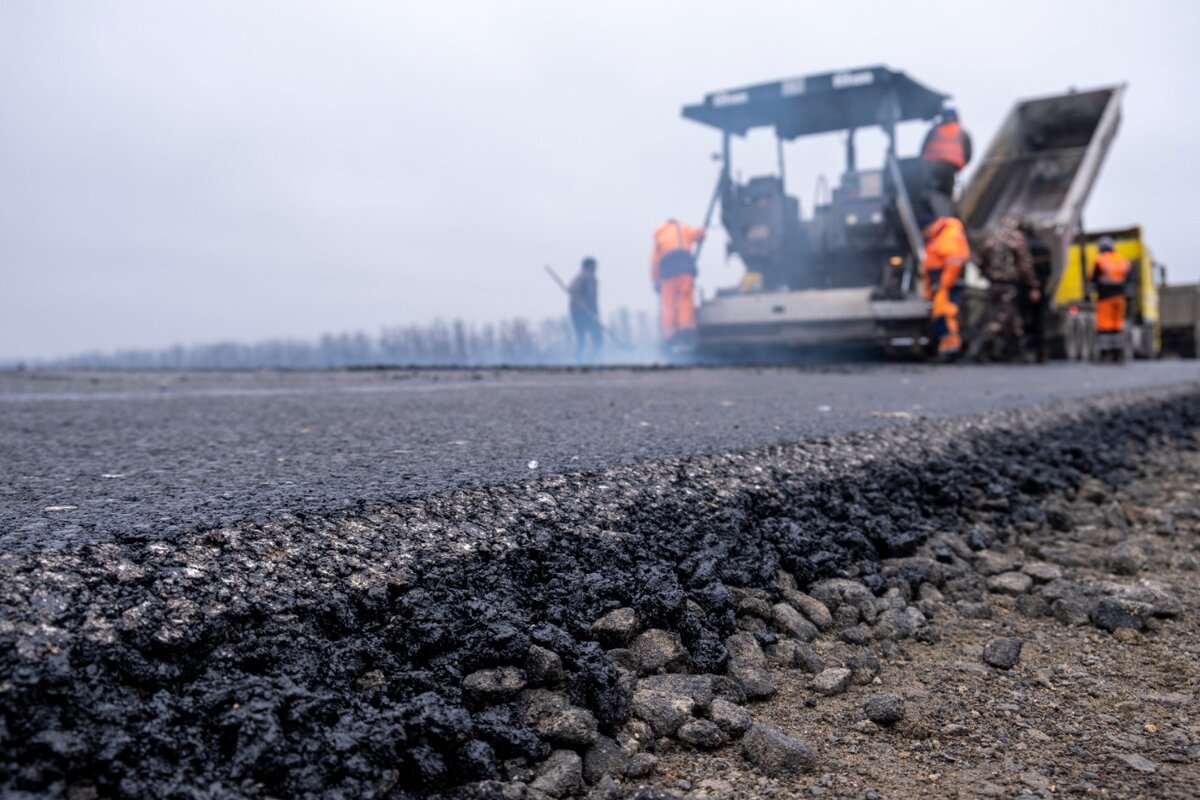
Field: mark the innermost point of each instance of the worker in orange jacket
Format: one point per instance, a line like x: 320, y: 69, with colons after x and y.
x: 673, y: 271
x: 946, y: 150
x: 946, y: 254
x: 1109, y: 277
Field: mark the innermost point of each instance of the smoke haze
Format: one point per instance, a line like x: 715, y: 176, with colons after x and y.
x: 189, y: 172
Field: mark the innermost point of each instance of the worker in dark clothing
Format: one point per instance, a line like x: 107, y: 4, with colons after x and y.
x: 1005, y: 261
x: 1109, y: 277
x: 585, y: 310
x: 1037, y: 313
x: 946, y: 150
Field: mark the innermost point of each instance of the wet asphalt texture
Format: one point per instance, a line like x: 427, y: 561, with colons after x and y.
x: 324, y: 654
x: 86, y: 457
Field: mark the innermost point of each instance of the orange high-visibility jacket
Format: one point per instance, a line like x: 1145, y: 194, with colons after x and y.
x: 946, y: 252
x: 945, y: 143
x: 672, y: 235
x: 1109, y: 273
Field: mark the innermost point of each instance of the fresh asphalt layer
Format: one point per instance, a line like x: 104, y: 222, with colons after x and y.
x: 85, y: 457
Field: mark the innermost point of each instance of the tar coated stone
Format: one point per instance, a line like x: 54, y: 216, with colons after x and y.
x: 896, y: 624
x: 1113, y: 613
x: 748, y: 666
x: 775, y: 753
x: 1032, y: 606
x: 1013, y: 583
x: 1137, y: 763
x: 617, y: 628
x: 969, y: 610
x: 793, y: 654
x: 790, y: 621
x: 574, y: 727
x: 990, y: 562
x: 837, y: 592
x: 730, y: 718
x: 1070, y: 611
x: 816, y: 611
x: 662, y: 711
x: 493, y: 685
x: 543, y: 667
x: 1127, y: 558
x: 865, y: 667
x: 1154, y: 594
x: 605, y: 789
x: 845, y: 616
x: 701, y: 734
x: 698, y: 687
x: 561, y: 775
x: 857, y: 634
x: 1042, y: 571
x: 834, y: 680
x: 1060, y: 519
x: 884, y: 709
x: 658, y: 650
x: 641, y: 765
x: 606, y: 757
x: 1003, y: 653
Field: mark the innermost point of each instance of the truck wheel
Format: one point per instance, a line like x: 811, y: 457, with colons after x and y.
x: 1148, y: 342
x: 1093, y: 341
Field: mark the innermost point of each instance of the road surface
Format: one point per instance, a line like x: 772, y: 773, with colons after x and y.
x: 85, y: 456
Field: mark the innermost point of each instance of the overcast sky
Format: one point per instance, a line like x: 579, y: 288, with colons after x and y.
x: 184, y: 172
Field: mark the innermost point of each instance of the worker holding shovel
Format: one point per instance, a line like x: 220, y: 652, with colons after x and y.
x: 584, y: 308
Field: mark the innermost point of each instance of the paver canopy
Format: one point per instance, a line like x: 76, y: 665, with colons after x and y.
x: 831, y: 101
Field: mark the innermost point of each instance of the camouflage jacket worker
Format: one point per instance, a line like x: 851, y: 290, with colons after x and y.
x: 1005, y: 257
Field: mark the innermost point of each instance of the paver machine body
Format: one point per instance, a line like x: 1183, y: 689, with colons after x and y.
x: 847, y: 274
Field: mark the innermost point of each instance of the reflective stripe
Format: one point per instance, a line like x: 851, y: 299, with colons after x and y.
x: 946, y: 145
x: 1113, y: 269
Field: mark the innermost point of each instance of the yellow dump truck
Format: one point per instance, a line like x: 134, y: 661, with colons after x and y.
x: 1143, y: 323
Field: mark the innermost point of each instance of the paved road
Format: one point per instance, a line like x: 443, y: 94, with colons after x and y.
x: 87, y: 456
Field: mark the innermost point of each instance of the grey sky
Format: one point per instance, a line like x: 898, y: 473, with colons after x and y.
x: 186, y: 172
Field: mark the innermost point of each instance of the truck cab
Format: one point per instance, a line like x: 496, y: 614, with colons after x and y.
x: 1143, y: 322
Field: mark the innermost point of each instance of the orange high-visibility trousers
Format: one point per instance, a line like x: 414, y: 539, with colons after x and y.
x: 678, y: 297
x: 1110, y: 314
x: 945, y: 311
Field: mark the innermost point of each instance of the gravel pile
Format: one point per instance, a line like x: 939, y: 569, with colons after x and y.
x: 549, y: 638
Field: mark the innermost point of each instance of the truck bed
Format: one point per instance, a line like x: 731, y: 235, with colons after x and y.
x: 1042, y: 165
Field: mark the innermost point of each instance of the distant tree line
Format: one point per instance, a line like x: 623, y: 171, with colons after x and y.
x: 441, y: 343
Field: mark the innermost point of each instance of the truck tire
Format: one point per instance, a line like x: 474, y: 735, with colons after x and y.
x: 1148, y: 343
x: 1191, y: 347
